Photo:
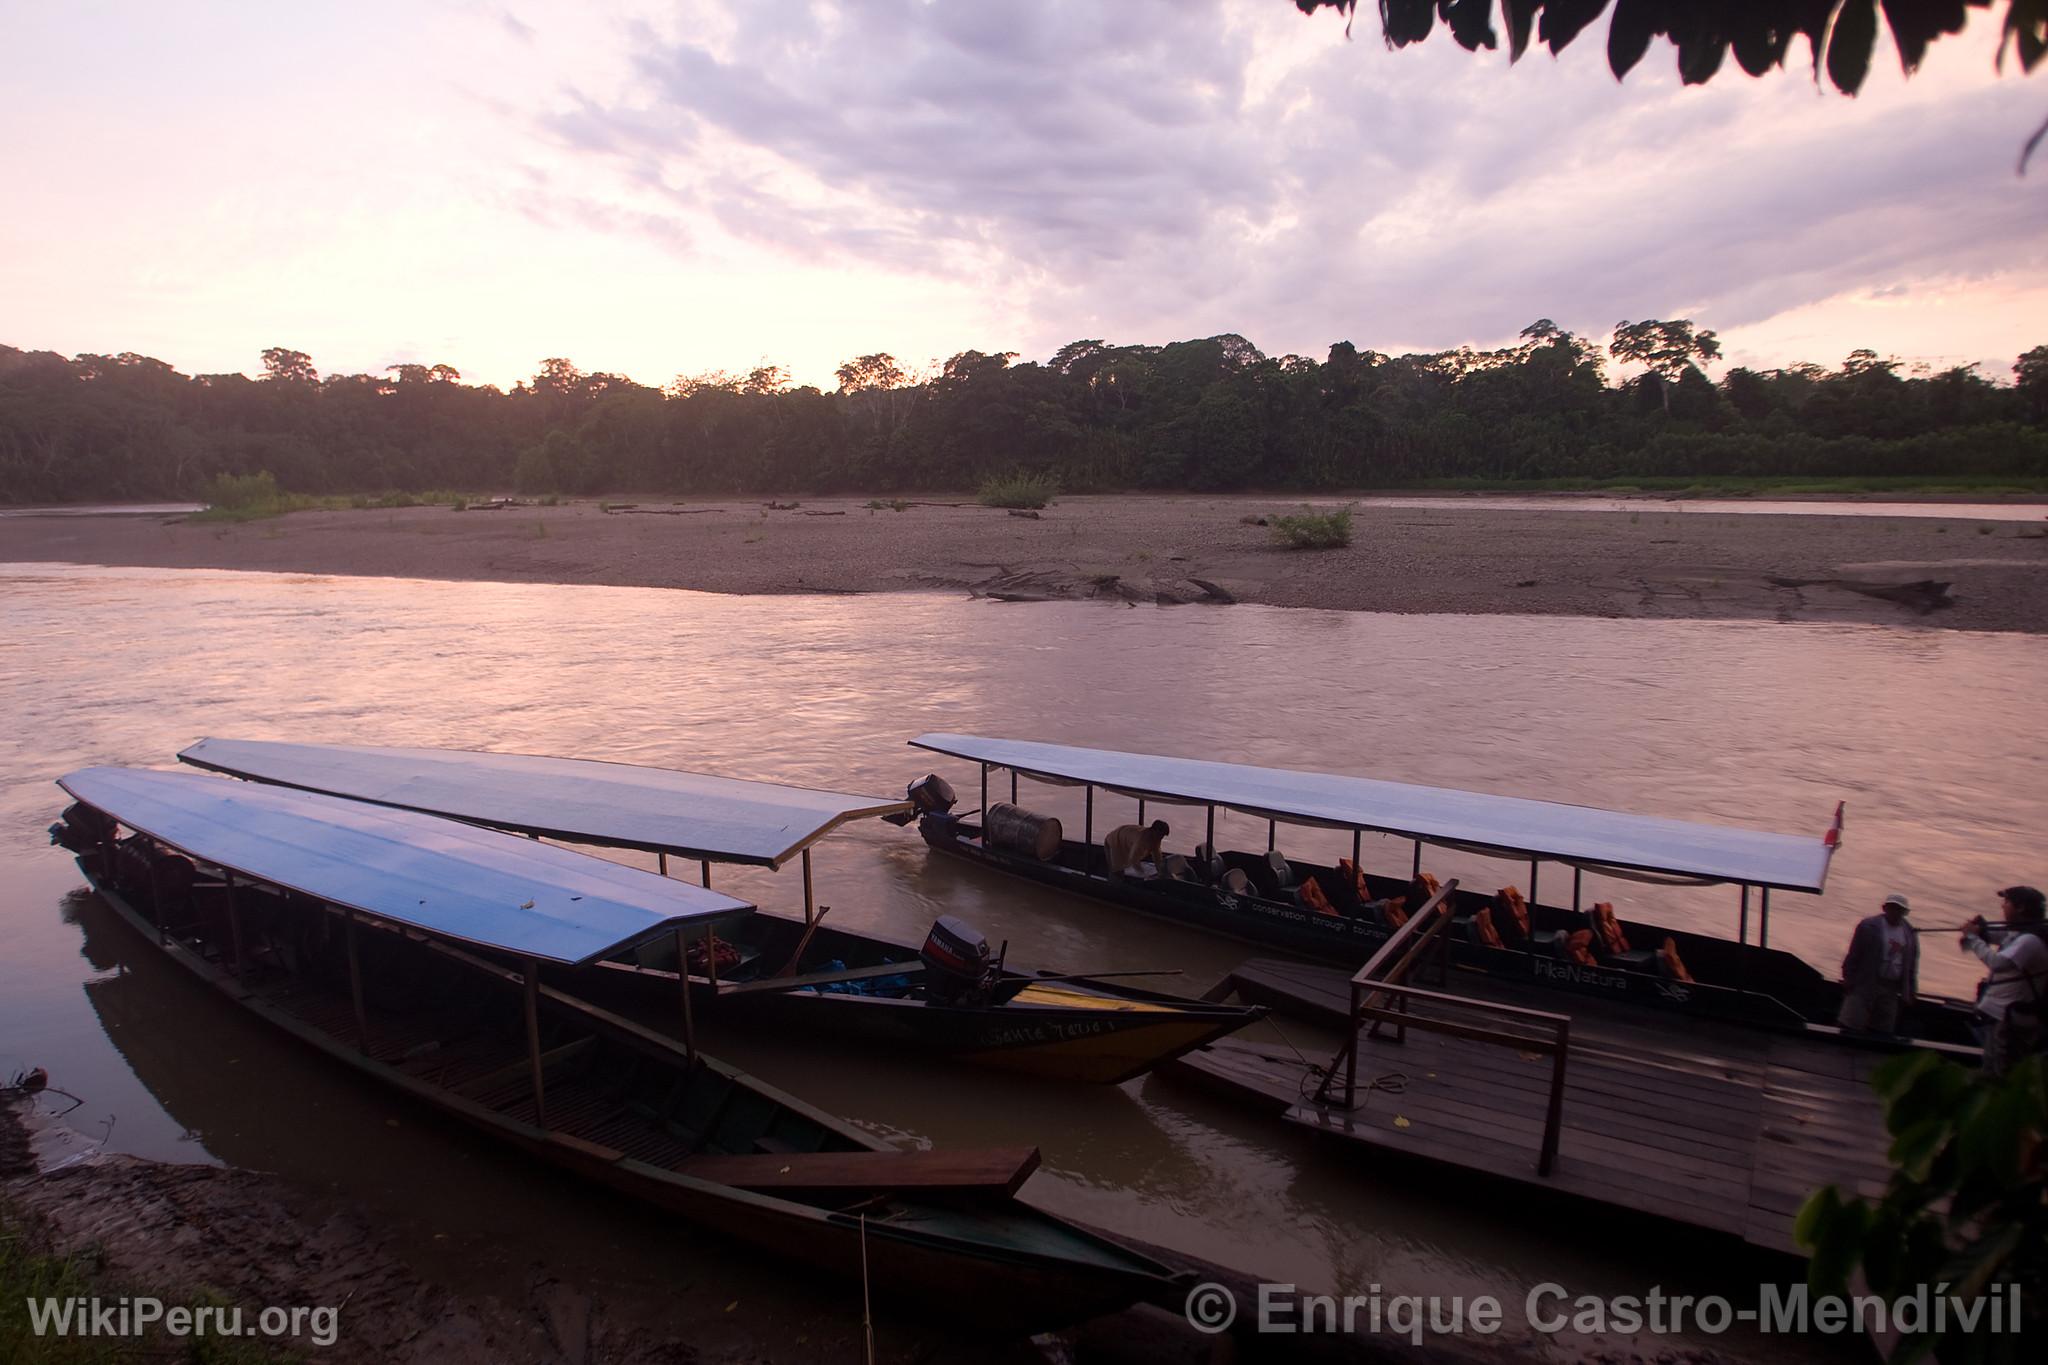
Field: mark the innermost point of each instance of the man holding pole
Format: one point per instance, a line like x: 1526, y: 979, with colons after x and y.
x: 2009, y: 1000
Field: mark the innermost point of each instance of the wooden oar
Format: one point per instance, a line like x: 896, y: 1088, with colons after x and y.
x: 789, y: 967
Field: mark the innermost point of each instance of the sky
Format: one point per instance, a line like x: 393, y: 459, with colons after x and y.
x: 665, y: 189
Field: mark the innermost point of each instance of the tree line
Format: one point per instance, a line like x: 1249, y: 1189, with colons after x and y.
x: 1210, y: 414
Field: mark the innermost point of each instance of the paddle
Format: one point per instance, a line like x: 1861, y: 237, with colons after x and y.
x: 789, y: 967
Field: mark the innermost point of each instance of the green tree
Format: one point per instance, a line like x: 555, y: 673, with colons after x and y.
x: 2030, y: 377
x: 1666, y: 350
x: 289, y: 367
x: 1966, y: 1207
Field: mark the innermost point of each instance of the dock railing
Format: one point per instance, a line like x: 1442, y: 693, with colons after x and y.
x: 1381, y: 996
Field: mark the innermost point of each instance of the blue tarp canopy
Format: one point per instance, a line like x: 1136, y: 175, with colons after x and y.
x: 1583, y: 836
x: 452, y: 880
x: 619, y: 805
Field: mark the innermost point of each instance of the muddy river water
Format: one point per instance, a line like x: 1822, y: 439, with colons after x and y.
x: 1929, y: 736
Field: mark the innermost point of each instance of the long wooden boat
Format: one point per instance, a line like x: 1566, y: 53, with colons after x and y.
x: 1271, y: 899
x: 362, y: 931
x: 777, y: 970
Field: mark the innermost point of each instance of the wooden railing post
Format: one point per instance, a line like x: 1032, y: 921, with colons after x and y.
x: 1351, y: 1053
x: 1553, y: 1118
x: 1380, y: 994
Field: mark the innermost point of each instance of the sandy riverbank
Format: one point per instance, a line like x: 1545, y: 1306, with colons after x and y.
x: 1658, y: 560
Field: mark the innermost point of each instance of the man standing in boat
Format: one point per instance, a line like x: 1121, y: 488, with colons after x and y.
x: 2009, y: 1000
x: 1882, y: 971
x: 1127, y: 846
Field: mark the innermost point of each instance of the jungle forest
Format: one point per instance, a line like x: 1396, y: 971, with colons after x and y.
x: 1213, y: 414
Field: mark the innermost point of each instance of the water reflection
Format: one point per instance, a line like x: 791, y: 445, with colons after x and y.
x: 1765, y: 725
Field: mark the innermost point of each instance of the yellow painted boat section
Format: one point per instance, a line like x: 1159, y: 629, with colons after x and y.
x: 1063, y: 997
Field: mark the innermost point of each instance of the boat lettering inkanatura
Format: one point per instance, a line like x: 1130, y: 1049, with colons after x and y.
x: 1343, y: 913
x: 410, y: 947
x: 949, y: 997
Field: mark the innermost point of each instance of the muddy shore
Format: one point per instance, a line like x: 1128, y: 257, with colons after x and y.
x: 1660, y: 560
x: 191, y: 1233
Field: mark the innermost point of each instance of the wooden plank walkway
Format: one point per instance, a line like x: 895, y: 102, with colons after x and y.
x: 1714, y: 1126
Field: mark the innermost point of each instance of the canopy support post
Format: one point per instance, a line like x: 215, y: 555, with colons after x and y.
x: 355, y: 982
x: 1013, y: 786
x: 810, y: 906
x: 1088, y: 820
x: 156, y: 898
x: 1763, y: 921
x: 711, y: 956
x: 1578, y: 878
x: 540, y: 1099
x: 1532, y: 882
x: 1272, y: 835
x: 1357, y: 844
x: 661, y: 863
x: 705, y: 868
x: 234, y: 920
x: 1141, y: 810
x: 1416, y: 874
x: 683, y: 979
x: 1742, y: 924
x: 1212, y: 832
x: 984, y: 803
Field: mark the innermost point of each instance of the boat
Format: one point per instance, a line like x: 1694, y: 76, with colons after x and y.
x: 950, y: 996
x: 382, y: 937
x: 1342, y: 914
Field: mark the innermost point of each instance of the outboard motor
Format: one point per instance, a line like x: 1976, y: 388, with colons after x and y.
x: 82, y: 829
x: 929, y: 795
x: 958, y: 969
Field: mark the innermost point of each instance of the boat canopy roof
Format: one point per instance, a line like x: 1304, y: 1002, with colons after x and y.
x: 451, y: 880
x: 1504, y: 825
x: 618, y: 805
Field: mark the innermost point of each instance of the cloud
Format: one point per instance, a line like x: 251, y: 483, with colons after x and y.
x: 1158, y: 168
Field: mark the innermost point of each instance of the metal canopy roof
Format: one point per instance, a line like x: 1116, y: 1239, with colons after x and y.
x: 452, y: 880
x: 1581, y: 835
x: 619, y: 805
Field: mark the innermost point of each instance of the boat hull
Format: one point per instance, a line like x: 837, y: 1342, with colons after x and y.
x: 1091, y: 1032
x: 1735, y: 983
x: 977, y: 1259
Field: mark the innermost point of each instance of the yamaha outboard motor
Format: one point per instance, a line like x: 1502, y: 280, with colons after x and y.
x: 929, y: 795
x: 957, y: 967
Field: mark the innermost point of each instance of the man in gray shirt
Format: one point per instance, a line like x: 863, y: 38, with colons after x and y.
x: 2009, y: 1001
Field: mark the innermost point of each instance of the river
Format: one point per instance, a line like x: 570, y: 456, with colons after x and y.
x: 1928, y: 735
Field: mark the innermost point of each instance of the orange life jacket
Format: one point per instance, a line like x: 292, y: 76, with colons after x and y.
x: 1312, y: 896
x: 1609, y: 928
x: 1395, y: 911
x: 1514, y: 909
x: 1482, y: 924
x: 1579, y: 944
x: 1354, y: 877
x: 1669, y: 952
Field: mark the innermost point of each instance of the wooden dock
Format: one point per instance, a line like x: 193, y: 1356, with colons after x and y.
x: 1710, y: 1125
